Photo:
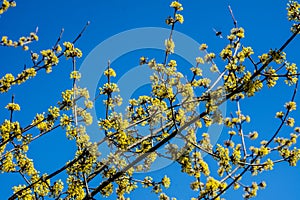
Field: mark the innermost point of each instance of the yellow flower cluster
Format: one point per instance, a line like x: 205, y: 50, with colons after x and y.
x: 251, y: 191
x: 278, y: 56
x: 279, y: 114
x: 82, y: 92
x: 212, y: 186
x: 236, y: 155
x: 6, y: 82
x: 177, y: 17
x: 176, y: 5
x: 203, y: 82
x: 261, y: 152
x: 205, y: 142
x: 238, y: 32
x: 170, y: 45
x: 209, y: 57
x: 290, y: 121
x: 84, y: 165
x: 71, y: 132
x: 244, y: 53
x: 294, y: 157
x: 75, y: 188
x: 109, y: 88
x: 286, y: 142
x: 143, y: 60
x: 65, y: 120
x: 8, y: 164
x: 163, y: 196
x: 107, y: 190
x: 290, y: 105
x: 110, y: 72
x: 6, y: 5
x: 148, y: 182
x: 251, y: 87
x: 75, y: 75
x: 125, y: 185
x: 166, y: 182
x: 200, y: 166
x: 291, y: 76
x: 196, y: 71
x: 161, y: 91
x: 85, y: 115
x: 26, y: 165
x: 271, y: 76
x: 25, y: 194
x: 71, y: 51
x: 10, y: 130
x: 253, y: 135
x: 172, y: 63
x: 67, y: 102
x: 186, y: 164
x: 224, y: 159
x: 41, y: 187
x: 57, y: 188
x: 13, y: 107
x: 203, y: 47
x: 42, y: 123
x: 88, y: 104
x: 22, y: 42
x: 199, y: 60
x: 226, y: 53
x: 54, y: 112
x: 293, y: 8
x: 50, y: 59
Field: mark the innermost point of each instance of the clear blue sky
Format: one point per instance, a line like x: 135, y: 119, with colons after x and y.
x: 266, y: 27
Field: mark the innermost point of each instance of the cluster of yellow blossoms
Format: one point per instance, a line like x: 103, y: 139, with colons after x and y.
x: 6, y: 5
x: 22, y: 42
x: 177, y: 17
x: 71, y: 51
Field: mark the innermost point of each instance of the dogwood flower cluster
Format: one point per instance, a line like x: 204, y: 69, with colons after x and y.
x: 6, y: 5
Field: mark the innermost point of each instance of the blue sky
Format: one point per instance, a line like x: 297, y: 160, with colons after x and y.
x: 266, y: 27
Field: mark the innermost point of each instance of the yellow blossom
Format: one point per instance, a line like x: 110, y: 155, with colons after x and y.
x: 203, y: 47
x: 290, y: 105
x: 110, y: 72
x: 170, y: 45
x: 13, y: 107
x: 166, y: 182
x: 75, y: 75
x: 253, y: 135
x: 179, y: 18
x: 172, y: 63
x: 176, y: 5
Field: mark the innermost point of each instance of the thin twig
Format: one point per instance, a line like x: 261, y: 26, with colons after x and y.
x: 82, y: 31
x: 233, y: 18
